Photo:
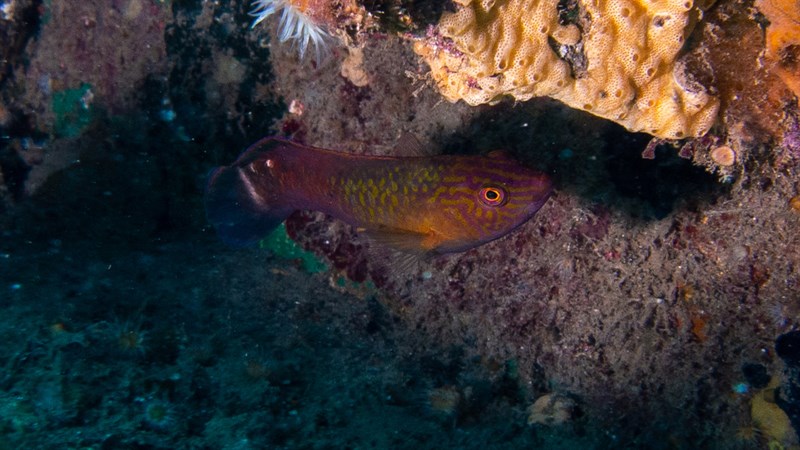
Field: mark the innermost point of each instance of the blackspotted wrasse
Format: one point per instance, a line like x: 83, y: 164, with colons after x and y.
x: 420, y: 205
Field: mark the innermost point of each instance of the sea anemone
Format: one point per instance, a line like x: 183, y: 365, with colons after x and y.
x: 301, y: 20
x: 158, y: 414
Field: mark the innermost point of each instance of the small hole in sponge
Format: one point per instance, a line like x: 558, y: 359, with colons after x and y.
x: 625, y: 12
x: 789, y: 56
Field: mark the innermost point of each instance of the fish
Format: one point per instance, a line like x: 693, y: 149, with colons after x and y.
x: 421, y: 205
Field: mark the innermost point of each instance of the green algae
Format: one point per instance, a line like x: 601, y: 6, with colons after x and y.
x: 280, y: 244
x: 73, y: 112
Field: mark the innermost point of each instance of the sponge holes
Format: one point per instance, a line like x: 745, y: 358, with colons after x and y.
x: 660, y: 21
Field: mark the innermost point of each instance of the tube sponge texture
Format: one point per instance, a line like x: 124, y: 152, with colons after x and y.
x: 613, y: 58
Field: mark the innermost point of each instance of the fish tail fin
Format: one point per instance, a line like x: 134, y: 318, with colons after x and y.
x: 240, y: 202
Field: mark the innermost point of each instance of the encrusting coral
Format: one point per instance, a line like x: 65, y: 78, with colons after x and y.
x: 616, y: 59
x: 783, y: 39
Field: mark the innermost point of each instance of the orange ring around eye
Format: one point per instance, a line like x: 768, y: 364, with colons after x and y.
x: 492, y: 196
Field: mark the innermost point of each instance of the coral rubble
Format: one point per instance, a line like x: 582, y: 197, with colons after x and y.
x: 616, y: 59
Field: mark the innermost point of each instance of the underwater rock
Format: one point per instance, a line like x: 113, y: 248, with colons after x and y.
x: 552, y: 409
x: 787, y: 346
x: 756, y: 375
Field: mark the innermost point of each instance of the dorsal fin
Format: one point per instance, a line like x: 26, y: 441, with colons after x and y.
x: 408, y: 145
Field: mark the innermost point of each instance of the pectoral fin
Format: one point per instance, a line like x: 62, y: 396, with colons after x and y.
x: 403, y: 240
x: 405, y: 249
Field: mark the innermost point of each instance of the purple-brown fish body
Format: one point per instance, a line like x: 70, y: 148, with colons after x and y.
x: 436, y: 204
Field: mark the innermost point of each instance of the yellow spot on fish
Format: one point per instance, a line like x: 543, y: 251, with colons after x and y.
x: 453, y: 189
x: 439, y: 191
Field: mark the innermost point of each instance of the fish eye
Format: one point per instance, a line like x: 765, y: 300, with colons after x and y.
x: 492, y: 195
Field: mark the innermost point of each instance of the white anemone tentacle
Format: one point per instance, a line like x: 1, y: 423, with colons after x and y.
x: 294, y: 25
